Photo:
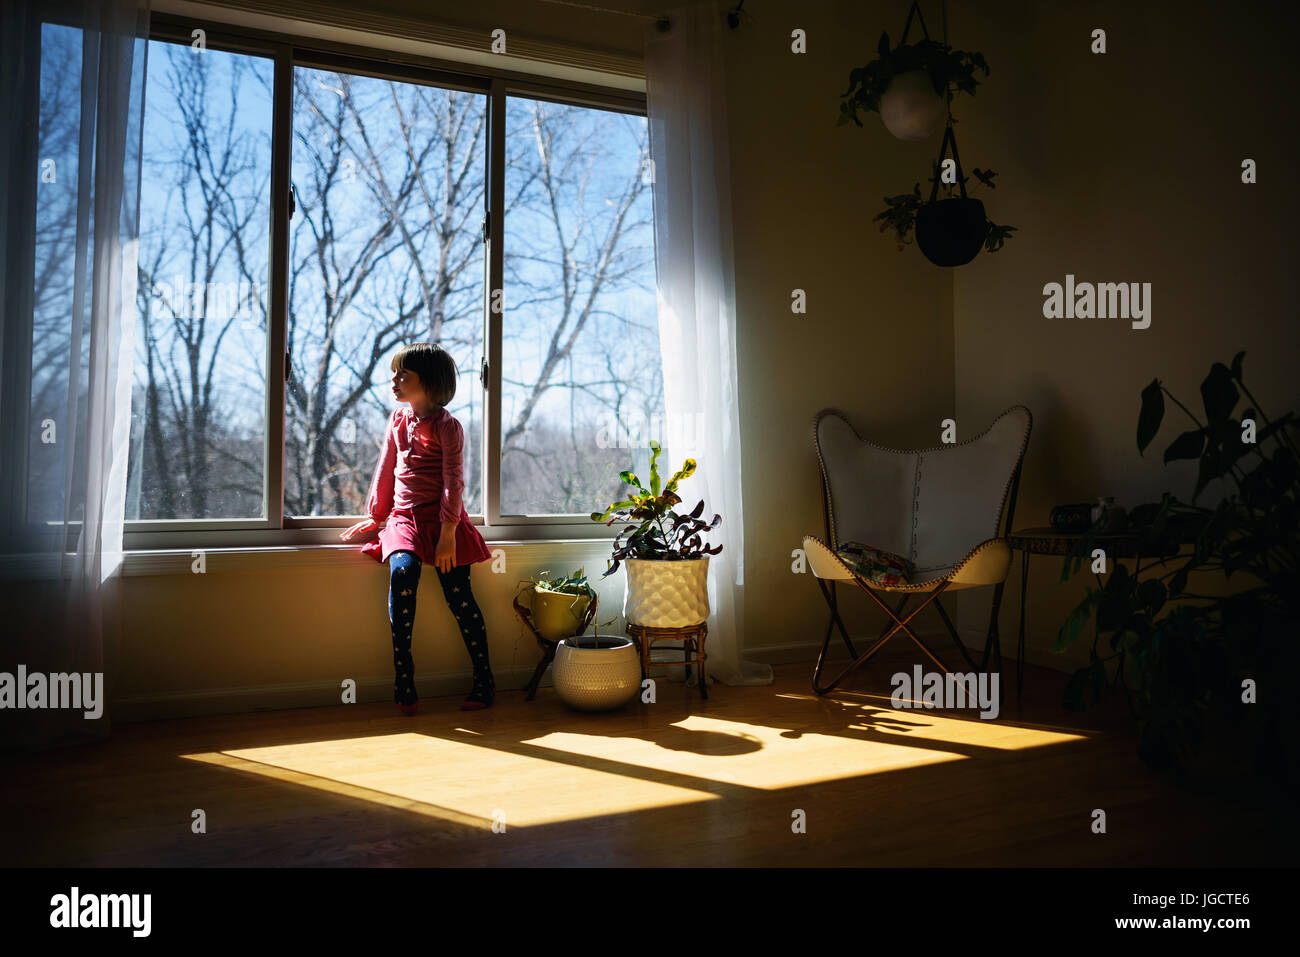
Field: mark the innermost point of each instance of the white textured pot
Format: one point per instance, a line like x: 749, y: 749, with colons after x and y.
x: 910, y: 108
x: 597, y: 679
x: 666, y: 594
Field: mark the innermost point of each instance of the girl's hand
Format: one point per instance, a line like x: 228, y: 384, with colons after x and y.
x: 444, y: 556
x: 360, y: 528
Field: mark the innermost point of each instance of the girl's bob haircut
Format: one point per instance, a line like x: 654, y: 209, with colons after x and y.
x: 434, y: 366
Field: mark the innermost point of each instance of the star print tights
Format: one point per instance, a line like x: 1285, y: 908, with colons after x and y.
x: 404, y: 576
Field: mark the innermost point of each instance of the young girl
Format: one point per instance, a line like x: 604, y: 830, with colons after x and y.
x: 416, y: 495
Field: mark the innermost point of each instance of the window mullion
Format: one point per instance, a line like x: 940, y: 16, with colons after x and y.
x: 281, y: 159
x: 493, y: 304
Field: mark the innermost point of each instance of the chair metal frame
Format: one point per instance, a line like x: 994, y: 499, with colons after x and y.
x: 992, y: 643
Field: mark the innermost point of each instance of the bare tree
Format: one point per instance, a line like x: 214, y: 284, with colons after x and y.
x: 210, y: 231
x: 385, y: 249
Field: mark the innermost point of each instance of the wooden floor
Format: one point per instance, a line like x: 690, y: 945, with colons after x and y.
x: 677, y: 783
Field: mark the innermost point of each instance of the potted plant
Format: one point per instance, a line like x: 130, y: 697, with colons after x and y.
x: 667, y: 559
x: 911, y: 85
x: 1183, y: 643
x: 949, y: 231
x: 596, y: 673
x: 561, y: 605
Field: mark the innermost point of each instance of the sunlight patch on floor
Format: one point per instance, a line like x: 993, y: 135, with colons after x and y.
x: 572, y: 775
x: 457, y: 781
x: 868, y: 739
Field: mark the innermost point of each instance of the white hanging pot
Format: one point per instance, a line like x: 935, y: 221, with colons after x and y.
x: 910, y: 108
x: 665, y: 593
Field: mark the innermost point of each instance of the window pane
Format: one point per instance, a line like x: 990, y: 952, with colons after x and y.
x: 198, y: 427
x: 53, y: 304
x: 581, y: 382
x: 386, y: 249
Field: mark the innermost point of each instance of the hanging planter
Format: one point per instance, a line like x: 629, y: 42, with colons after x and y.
x: 952, y: 230
x: 910, y: 109
x: 910, y: 86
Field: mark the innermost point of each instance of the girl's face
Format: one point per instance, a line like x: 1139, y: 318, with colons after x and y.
x: 408, y: 388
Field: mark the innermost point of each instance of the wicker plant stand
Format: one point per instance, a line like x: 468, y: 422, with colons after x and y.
x: 548, y: 647
x: 692, y: 639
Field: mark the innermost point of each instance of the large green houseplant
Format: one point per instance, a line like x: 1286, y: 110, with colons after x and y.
x: 655, y: 530
x: 661, y: 590
x: 1206, y: 659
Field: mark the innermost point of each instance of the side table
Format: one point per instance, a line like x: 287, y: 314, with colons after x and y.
x: 1045, y: 540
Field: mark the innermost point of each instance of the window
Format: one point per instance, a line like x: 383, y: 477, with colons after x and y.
x: 198, y: 416
x: 387, y: 248
x: 58, y: 125
x: 580, y: 370
x: 307, y: 210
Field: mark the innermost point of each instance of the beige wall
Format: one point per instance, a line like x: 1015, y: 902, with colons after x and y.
x: 876, y: 342
x: 1122, y: 167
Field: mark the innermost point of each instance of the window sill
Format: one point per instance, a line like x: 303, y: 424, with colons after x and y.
x: 169, y: 561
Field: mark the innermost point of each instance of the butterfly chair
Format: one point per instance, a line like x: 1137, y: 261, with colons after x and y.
x: 940, y: 508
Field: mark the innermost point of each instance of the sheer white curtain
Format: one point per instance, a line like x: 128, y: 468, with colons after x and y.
x: 686, y: 103
x: 71, y: 103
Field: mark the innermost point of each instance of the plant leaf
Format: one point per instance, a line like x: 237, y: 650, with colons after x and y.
x: 1219, y: 394
x: 1186, y: 446
x: 1077, y: 618
x: 1153, y: 412
x: 686, y: 471
x: 1236, y: 365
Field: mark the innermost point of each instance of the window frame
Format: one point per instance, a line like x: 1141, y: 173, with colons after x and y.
x: 287, y: 52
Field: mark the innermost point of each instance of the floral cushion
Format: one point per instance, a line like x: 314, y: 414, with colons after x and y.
x: 876, y: 565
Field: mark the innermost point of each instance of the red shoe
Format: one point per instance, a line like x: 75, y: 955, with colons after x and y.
x: 408, y: 709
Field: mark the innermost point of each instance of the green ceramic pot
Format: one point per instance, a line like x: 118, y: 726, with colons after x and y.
x: 556, y: 614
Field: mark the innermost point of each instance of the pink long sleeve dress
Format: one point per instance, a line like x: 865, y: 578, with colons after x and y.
x: 417, y: 486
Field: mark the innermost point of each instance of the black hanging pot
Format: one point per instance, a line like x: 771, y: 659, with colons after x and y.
x: 951, y: 232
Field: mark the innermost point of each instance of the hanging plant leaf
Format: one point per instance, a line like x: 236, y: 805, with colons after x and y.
x: 997, y: 236
x: 946, y: 67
